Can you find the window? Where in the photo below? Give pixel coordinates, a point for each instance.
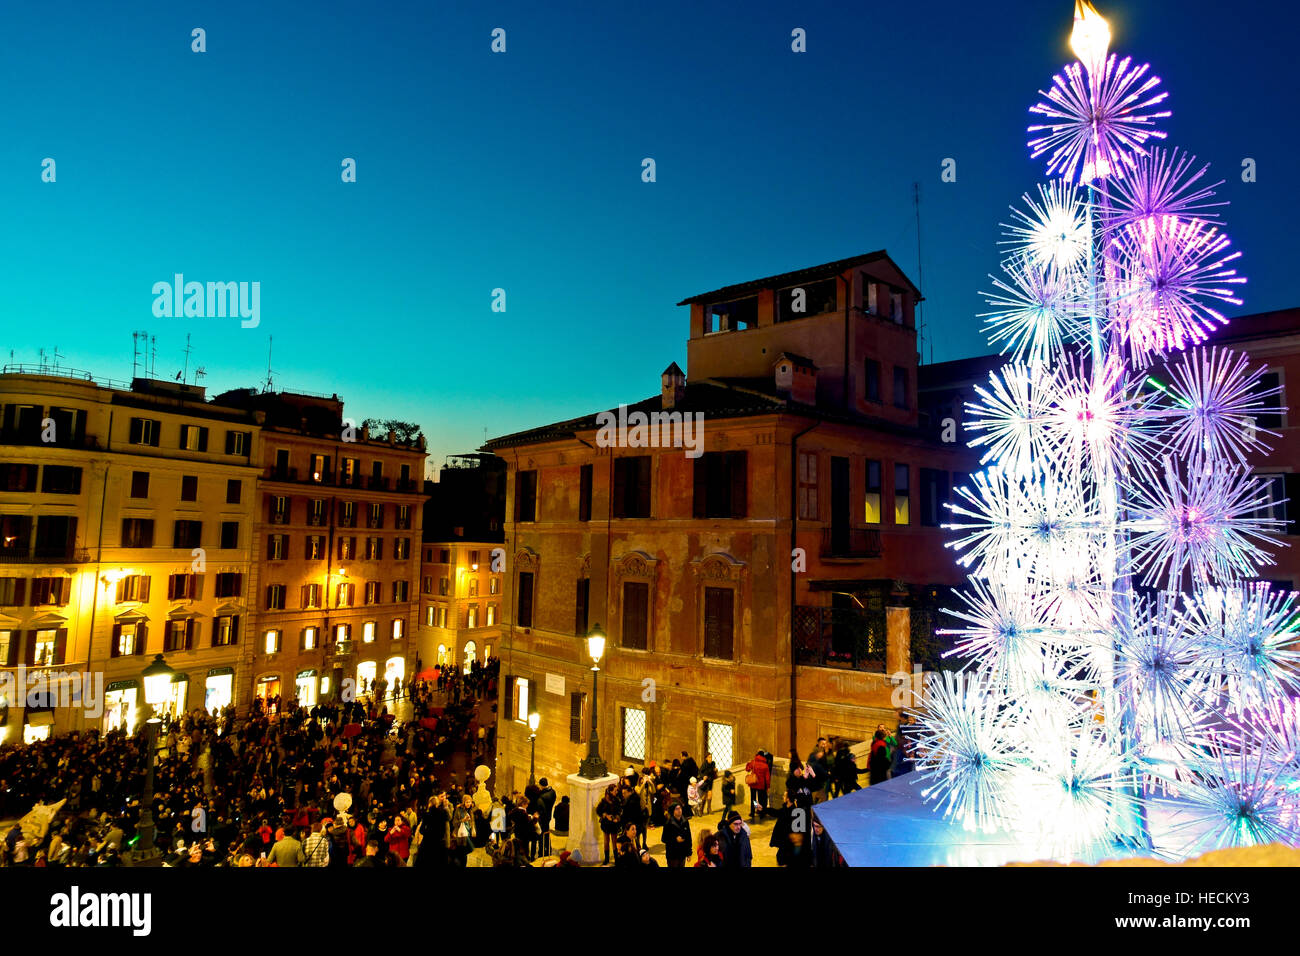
(133, 587)
(399, 628)
(426, 584)
(350, 469)
(375, 552)
(584, 493)
(471, 616)
(871, 511)
(179, 635)
(189, 488)
(15, 534)
(896, 307)
(871, 380)
(523, 698)
(401, 591)
(718, 622)
(139, 484)
(55, 535)
(50, 591)
(308, 638)
(444, 556)
(900, 387)
(345, 594)
(720, 740)
(731, 316)
(444, 584)
(128, 639)
(229, 535)
(1271, 493)
(13, 593)
(636, 614)
(491, 615)
(316, 511)
(473, 560)
(137, 532)
(473, 587)
(580, 622)
(372, 595)
(634, 732)
(15, 477)
(631, 495)
(182, 587)
(348, 514)
(225, 630)
(494, 585)
(320, 468)
(58, 480)
(278, 506)
(275, 596)
(902, 495)
(1268, 393)
(276, 546)
(49, 646)
(315, 547)
(145, 431)
(401, 549)
(194, 438)
(230, 584)
(808, 485)
(402, 520)
(811, 298)
(526, 496)
(429, 615)
(234, 489)
(342, 632)
(187, 534)
(721, 484)
(869, 296)
(577, 699)
(311, 595)
(375, 516)
(934, 492)
(442, 617)
(524, 612)
(368, 632)
(271, 642)
(238, 443)
(347, 548)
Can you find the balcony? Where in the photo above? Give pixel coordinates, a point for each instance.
(377, 483)
(281, 474)
(342, 650)
(407, 485)
(851, 543)
(846, 638)
(41, 555)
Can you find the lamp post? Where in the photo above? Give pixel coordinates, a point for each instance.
(533, 720)
(594, 767)
(157, 688)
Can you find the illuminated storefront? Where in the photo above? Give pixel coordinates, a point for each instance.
(394, 669)
(218, 691)
(305, 687)
(367, 671)
(471, 651)
(268, 691)
(120, 699)
(176, 703)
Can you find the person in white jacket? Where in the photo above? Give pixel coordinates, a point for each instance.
(497, 820)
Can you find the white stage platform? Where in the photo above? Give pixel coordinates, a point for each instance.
(890, 825)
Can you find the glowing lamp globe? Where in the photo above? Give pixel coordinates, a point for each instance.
(533, 720)
(596, 644)
(157, 682)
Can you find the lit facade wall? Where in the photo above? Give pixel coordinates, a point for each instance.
(461, 600)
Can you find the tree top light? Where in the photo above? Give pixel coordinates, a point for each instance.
(1090, 39)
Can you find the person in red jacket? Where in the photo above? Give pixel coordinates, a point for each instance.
(399, 838)
(758, 775)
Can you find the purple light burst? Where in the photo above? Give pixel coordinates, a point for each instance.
(1163, 183)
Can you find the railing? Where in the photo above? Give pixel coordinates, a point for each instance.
(35, 555)
(377, 483)
(851, 543)
(15, 436)
(839, 637)
(60, 371)
(406, 485)
(282, 474)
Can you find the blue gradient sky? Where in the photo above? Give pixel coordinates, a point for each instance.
(522, 171)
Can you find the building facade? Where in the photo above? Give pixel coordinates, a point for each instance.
(461, 598)
(759, 570)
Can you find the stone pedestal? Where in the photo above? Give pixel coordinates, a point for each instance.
(898, 640)
(585, 839)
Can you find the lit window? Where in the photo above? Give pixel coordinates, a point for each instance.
(398, 626)
(902, 495)
(309, 639)
(368, 632)
(872, 496)
(521, 696)
(634, 732)
(272, 644)
(720, 740)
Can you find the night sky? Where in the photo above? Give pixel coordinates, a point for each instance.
(522, 171)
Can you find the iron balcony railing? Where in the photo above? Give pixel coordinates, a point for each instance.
(41, 554)
(840, 637)
(851, 543)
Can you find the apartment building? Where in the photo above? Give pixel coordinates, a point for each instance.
(756, 590)
(337, 522)
(125, 532)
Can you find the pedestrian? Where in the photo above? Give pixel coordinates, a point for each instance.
(317, 847)
(708, 774)
(878, 761)
(546, 811)
(734, 836)
(608, 811)
(728, 793)
(677, 838)
(758, 774)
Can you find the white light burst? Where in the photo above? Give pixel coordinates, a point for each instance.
(1052, 230)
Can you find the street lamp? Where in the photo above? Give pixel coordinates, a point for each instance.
(157, 690)
(594, 767)
(533, 720)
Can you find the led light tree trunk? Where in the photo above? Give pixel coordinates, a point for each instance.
(1122, 646)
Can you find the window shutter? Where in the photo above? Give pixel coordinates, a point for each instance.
(141, 637)
(532, 696)
(171, 587)
(137, 428)
(737, 465)
(144, 588)
(60, 645)
(239, 585)
(618, 502)
(65, 591)
(514, 697)
(580, 617)
(216, 629)
(644, 465)
(203, 439)
(15, 639)
(575, 717)
(701, 487)
(121, 589)
(20, 593)
(189, 633)
(234, 629)
(29, 651)
(114, 648)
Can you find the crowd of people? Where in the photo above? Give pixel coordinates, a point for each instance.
(337, 784)
(345, 784)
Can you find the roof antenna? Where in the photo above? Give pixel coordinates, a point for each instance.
(185, 374)
(920, 277)
(268, 387)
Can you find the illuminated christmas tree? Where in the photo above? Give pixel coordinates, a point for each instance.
(1122, 647)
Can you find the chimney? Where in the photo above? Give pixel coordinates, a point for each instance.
(796, 378)
(672, 388)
